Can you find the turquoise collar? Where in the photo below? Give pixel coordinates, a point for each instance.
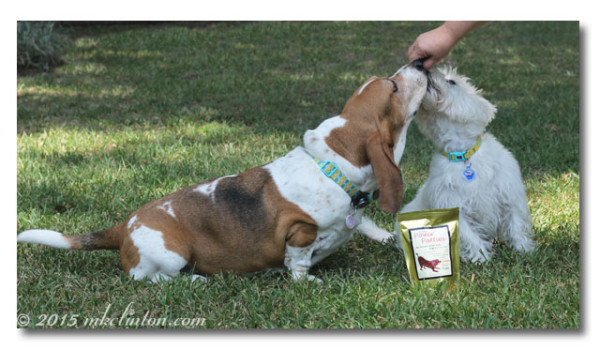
(358, 198)
(462, 156)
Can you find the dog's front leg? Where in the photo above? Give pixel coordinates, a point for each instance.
(298, 260)
(370, 229)
(473, 248)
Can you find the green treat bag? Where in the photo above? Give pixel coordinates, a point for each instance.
(431, 244)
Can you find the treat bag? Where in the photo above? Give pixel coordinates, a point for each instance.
(431, 244)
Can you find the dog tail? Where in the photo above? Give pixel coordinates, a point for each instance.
(105, 239)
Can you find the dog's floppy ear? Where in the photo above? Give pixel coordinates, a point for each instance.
(489, 110)
(380, 151)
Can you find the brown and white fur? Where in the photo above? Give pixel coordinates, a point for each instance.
(285, 213)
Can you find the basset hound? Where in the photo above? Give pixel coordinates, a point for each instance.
(292, 212)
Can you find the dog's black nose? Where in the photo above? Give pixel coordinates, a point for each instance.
(418, 64)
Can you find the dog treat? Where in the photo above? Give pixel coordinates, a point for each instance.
(430, 240)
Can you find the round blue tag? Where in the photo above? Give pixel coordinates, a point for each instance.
(469, 173)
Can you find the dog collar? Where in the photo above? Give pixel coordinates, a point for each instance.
(462, 156)
(358, 198)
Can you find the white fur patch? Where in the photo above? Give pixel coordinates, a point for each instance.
(370, 229)
(132, 222)
(47, 237)
(301, 182)
(325, 128)
(314, 142)
(208, 188)
(168, 208)
(156, 261)
(400, 70)
(298, 260)
(401, 143)
(365, 85)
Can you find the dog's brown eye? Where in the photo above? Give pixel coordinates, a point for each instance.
(451, 82)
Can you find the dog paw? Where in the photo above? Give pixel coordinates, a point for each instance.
(306, 277)
(314, 279)
(527, 246)
(370, 229)
(476, 258)
(199, 278)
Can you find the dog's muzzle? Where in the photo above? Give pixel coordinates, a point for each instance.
(418, 65)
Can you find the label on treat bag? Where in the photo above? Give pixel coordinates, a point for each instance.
(431, 249)
(431, 245)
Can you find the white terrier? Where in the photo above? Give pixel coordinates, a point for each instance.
(472, 170)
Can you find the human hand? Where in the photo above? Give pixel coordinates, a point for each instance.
(432, 46)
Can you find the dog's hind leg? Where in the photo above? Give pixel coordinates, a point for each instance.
(518, 231)
(298, 260)
(144, 255)
(193, 273)
(299, 250)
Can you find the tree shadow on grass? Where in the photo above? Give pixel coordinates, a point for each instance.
(286, 77)
(261, 75)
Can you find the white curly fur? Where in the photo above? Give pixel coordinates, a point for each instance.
(453, 114)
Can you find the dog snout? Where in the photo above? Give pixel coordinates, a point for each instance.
(418, 65)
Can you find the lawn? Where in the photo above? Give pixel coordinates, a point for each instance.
(139, 111)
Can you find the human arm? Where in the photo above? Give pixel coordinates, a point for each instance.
(434, 45)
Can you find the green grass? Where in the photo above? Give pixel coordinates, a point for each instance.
(139, 111)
